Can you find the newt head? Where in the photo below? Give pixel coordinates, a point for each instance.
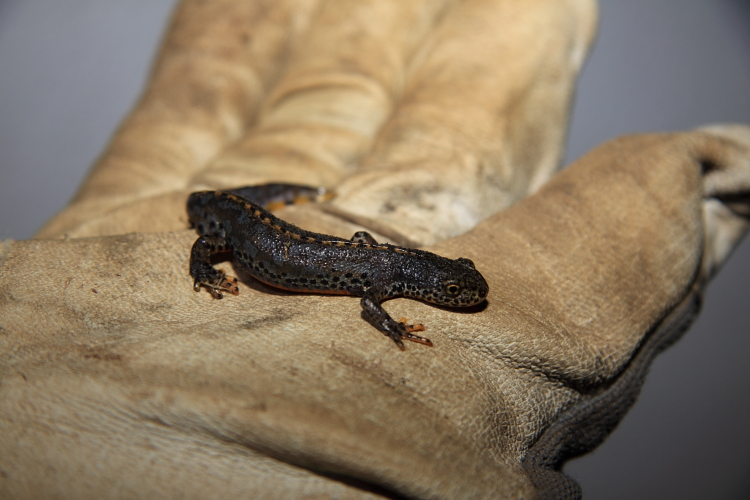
(448, 282)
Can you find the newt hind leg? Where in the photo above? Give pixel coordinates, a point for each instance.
(205, 274)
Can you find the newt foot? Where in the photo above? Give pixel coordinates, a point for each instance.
(217, 283)
(408, 333)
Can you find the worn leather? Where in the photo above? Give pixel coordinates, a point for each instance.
(119, 381)
(462, 103)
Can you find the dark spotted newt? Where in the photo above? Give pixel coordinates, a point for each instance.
(284, 256)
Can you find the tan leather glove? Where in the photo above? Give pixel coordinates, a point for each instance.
(427, 117)
(464, 103)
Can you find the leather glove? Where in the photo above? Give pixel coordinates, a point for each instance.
(119, 380)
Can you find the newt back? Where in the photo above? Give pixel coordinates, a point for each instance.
(285, 256)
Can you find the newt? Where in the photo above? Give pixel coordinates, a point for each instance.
(285, 256)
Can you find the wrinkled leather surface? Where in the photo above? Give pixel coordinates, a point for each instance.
(429, 118)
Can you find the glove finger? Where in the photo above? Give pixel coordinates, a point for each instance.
(482, 119)
(340, 85)
(217, 61)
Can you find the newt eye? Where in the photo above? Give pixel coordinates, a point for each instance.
(452, 289)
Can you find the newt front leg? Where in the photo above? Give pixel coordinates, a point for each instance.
(205, 274)
(374, 314)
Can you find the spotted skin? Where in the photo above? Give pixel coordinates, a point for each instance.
(285, 256)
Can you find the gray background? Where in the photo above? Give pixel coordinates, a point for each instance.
(70, 69)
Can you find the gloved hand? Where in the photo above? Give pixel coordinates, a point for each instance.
(120, 381)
